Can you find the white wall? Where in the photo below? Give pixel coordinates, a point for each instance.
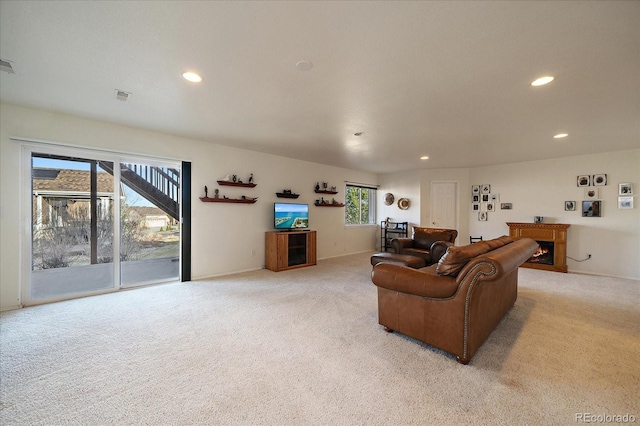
(224, 235)
(540, 188)
(401, 185)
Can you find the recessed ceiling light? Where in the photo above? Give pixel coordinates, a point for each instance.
(192, 77)
(304, 65)
(561, 135)
(542, 80)
(424, 157)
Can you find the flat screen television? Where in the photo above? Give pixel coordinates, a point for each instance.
(290, 216)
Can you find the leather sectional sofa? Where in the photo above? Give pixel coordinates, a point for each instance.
(426, 243)
(455, 304)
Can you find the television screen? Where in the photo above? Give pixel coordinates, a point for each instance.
(290, 216)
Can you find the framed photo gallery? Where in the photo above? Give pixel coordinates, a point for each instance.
(483, 201)
(592, 203)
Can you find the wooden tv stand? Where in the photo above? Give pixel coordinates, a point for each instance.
(289, 249)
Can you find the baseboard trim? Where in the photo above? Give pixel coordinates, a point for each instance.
(10, 308)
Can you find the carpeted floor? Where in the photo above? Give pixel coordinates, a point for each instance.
(304, 347)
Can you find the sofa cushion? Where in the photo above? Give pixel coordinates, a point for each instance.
(423, 239)
(457, 257)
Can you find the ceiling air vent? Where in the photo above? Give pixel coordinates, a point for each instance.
(122, 95)
(6, 66)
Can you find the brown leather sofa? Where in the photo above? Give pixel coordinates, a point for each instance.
(427, 243)
(455, 304)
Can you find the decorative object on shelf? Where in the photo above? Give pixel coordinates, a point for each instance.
(599, 180)
(325, 189)
(625, 189)
(206, 191)
(388, 199)
(486, 189)
(584, 180)
(570, 206)
(482, 216)
(625, 202)
(251, 178)
(216, 193)
(227, 183)
(591, 193)
(234, 178)
(323, 203)
(506, 206)
(591, 208)
(403, 203)
(286, 193)
(227, 178)
(538, 219)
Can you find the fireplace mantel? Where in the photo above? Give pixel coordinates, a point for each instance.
(552, 232)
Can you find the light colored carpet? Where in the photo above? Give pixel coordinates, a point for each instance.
(304, 347)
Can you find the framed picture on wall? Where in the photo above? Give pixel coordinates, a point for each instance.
(625, 202)
(569, 206)
(482, 216)
(625, 189)
(591, 208)
(584, 180)
(476, 207)
(475, 189)
(475, 198)
(600, 180)
(591, 193)
(494, 198)
(485, 198)
(486, 189)
(506, 206)
(490, 207)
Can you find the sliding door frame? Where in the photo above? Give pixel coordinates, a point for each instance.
(26, 209)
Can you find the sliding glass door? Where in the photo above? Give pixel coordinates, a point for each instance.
(149, 225)
(73, 227)
(100, 223)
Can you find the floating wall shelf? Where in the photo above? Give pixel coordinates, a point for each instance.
(228, 183)
(329, 205)
(286, 195)
(228, 200)
(320, 191)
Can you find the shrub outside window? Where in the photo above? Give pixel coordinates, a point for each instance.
(360, 206)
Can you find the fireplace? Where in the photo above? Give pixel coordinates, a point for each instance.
(544, 254)
(552, 244)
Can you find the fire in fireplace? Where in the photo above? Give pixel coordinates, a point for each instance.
(544, 254)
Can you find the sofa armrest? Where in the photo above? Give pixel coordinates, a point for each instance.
(400, 244)
(420, 282)
(438, 249)
(496, 263)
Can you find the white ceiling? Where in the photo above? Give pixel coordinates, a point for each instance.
(445, 79)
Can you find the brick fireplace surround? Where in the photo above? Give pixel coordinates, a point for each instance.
(550, 232)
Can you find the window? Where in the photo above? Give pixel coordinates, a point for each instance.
(360, 205)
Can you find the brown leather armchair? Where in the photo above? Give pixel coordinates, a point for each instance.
(429, 244)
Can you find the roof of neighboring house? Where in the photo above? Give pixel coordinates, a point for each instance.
(145, 211)
(68, 180)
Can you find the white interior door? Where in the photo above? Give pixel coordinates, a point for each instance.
(444, 205)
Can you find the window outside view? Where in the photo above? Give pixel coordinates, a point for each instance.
(360, 205)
